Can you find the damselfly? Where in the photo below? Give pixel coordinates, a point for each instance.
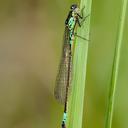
(64, 75)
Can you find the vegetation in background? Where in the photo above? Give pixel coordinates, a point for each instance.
(115, 68)
(30, 44)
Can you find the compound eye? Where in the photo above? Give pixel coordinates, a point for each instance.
(74, 6)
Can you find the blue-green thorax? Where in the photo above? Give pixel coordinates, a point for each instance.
(71, 27)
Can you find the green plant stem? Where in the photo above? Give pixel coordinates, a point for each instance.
(76, 103)
(115, 68)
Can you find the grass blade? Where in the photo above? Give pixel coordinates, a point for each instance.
(115, 68)
(75, 112)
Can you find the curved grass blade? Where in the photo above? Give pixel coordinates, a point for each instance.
(115, 68)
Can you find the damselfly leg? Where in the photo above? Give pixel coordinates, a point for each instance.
(80, 23)
(75, 34)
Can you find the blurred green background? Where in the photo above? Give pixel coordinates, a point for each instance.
(31, 34)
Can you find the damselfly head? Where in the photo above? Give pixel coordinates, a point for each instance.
(73, 6)
(75, 9)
